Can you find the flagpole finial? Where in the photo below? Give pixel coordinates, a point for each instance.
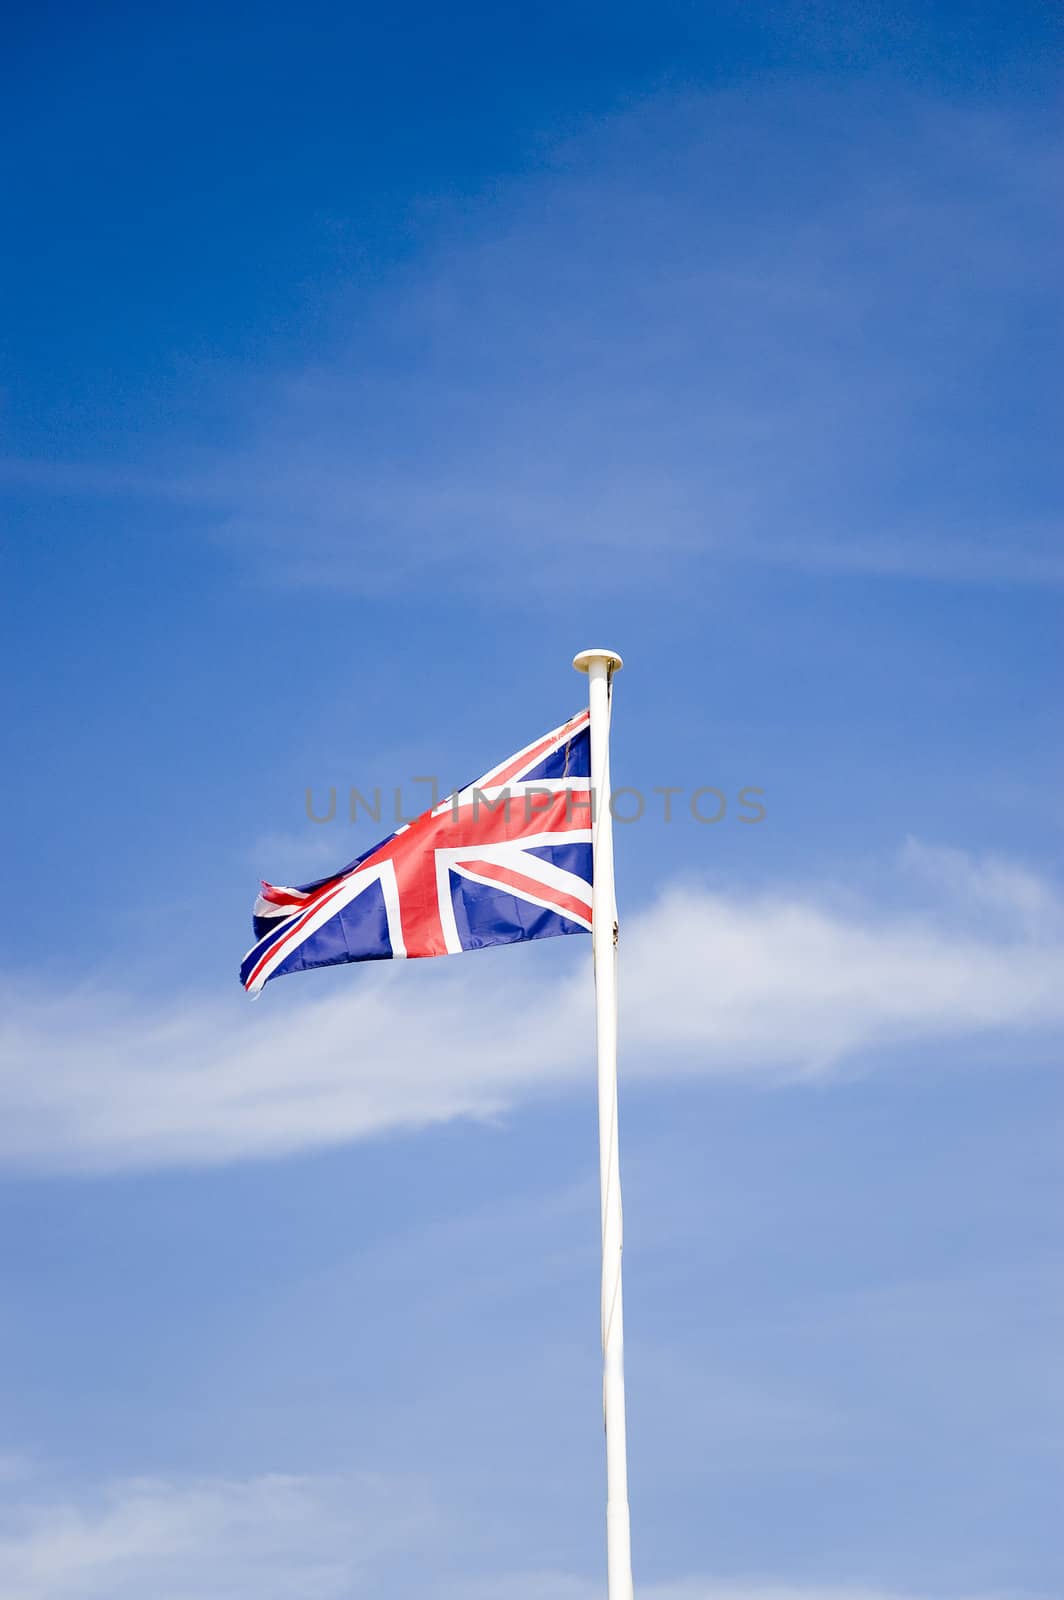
(583, 661)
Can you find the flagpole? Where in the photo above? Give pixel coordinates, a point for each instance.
(600, 665)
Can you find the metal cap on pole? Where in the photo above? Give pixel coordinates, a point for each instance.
(583, 659)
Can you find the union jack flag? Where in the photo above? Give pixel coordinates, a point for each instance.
(504, 859)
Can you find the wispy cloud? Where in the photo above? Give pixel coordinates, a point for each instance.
(774, 986)
(560, 1586)
(303, 854)
(275, 1537)
(1009, 893)
(287, 1537)
(661, 347)
(723, 1589)
(666, 342)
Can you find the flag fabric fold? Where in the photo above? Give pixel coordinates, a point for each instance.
(505, 859)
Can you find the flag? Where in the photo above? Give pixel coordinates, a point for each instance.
(505, 859)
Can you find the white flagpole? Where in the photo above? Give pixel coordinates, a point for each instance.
(600, 665)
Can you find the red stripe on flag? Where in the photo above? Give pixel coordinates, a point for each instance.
(566, 903)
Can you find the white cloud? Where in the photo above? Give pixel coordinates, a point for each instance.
(797, 983)
(722, 1589)
(285, 1537)
(771, 986)
(1010, 893)
(275, 1537)
(561, 1586)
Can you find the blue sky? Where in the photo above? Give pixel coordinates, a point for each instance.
(357, 369)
